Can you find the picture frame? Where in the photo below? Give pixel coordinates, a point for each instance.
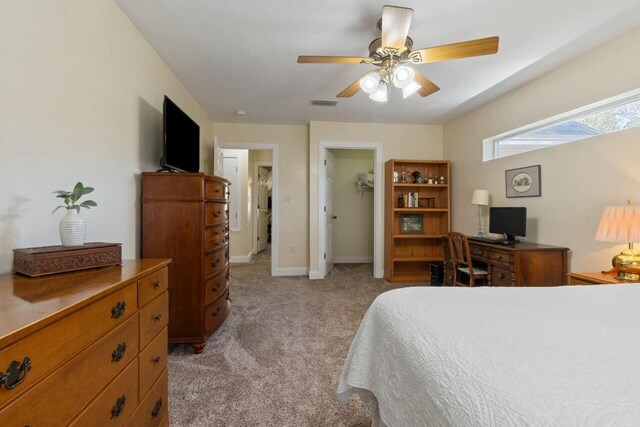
(523, 182)
(411, 224)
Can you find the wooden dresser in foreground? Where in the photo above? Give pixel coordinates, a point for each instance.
(599, 278)
(86, 348)
(185, 217)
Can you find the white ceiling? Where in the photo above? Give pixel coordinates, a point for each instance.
(241, 54)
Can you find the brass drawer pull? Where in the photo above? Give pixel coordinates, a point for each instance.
(218, 190)
(16, 373)
(157, 284)
(157, 317)
(500, 275)
(118, 407)
(118, 310)
(215, 288)
(157, 360)
(118, 353)
(499, 257)
(215, 263)
(156, 408)
(216, 214)
(216, 313)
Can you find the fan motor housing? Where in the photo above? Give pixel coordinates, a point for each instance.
(377, 52)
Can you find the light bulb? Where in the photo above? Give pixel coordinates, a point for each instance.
(369, 83)
(381, 93)
(410, 89)
(403, 76)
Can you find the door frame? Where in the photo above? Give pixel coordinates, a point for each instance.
(378, 230)
(254, 196)
(275, 188)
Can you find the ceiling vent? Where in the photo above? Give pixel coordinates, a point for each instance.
(324, 103)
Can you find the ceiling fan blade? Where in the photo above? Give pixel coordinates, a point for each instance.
(427, 86)
(395, 26)
(309, 59)
(486, 46)
(352, 89)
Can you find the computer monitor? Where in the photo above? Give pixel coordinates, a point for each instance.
(511, 222)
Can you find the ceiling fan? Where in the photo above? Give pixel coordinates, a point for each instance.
(393, 53)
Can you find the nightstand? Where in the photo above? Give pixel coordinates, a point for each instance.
(595, 279)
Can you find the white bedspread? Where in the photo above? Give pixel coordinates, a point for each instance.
(489, 356)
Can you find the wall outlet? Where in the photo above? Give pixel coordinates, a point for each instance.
(292, 249)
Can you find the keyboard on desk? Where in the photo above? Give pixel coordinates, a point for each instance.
(498, 241)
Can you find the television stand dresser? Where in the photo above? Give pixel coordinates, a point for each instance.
(519, 264)
(85, 348)
(185, 217)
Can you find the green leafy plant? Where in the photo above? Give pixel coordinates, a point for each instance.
(71, 198)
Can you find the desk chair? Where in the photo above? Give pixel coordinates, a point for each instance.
(462, 262)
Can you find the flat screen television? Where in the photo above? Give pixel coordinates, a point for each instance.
(181, 140)
(511, 222)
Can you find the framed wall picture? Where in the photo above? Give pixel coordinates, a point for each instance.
(523, 182)
(411, 224)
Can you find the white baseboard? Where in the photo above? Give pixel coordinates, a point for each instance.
(315, 275)
(353, 260)
(242, 259)
(291, 271)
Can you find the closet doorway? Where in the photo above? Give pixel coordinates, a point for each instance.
(350, 202)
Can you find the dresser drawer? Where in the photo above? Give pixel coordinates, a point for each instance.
(53, 345)
(215, 213)
(216, 286)
(154, 318)
(151, 286)
(215, 238)
(216, 312)
(502, 277)
(501, 257)
(68, 390)
(215, 191)
(153, 360)
(215, 261)
(115, 404)
(153, 409)
(479, 252)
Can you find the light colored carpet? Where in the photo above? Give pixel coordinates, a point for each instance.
(277, 359)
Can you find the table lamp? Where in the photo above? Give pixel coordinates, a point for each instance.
(621, 224)
(480, 198)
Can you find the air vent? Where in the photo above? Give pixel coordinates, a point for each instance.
(324, 103)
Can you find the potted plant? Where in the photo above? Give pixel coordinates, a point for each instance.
(73, 229)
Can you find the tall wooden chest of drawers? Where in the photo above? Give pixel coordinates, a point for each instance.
(185, 217)
(85, 348)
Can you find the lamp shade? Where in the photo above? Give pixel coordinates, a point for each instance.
(619, 224)
(480, 197)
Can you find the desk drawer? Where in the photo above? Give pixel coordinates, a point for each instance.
(215, 213)
(501, 257)
(479, 252)
(53, 345)
(153, 360)
(502, 277)
(63, 394)
(113, 406)
(153, 409)
(153, 319)
(151, 286)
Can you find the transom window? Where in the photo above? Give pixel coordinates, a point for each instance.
(611, 115)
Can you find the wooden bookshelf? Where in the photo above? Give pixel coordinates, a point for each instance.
(408, 254)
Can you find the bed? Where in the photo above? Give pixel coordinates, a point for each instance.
(491, 356)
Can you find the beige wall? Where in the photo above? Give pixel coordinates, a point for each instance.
(353, 229)
(80, 100)
(578, 178)
(293, 205)
(398, 142)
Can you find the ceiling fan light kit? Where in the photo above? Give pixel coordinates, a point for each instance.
(393, 51)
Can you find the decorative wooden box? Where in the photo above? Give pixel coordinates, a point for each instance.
(59, 259)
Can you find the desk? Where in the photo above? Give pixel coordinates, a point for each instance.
(520, 264)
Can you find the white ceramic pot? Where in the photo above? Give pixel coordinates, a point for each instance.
(73, 229)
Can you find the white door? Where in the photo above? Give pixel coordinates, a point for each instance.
(330, 214)
(230, 167)
(262, 211)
